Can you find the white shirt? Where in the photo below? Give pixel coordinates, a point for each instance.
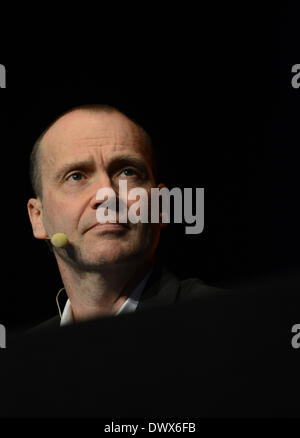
(127, 307)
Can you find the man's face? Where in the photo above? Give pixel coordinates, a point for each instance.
(81, 153)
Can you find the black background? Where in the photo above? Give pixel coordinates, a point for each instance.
(214, 91)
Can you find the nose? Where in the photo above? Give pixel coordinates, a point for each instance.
(103, 182)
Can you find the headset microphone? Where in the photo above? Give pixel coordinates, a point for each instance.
(59, 240)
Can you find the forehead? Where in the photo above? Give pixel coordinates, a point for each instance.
(80, 132)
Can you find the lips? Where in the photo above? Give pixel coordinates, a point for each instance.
(108, 227)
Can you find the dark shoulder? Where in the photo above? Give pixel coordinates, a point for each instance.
(164, 287)
(48, 325)
(191, 288)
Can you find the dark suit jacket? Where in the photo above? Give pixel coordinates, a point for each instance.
(225, 354)
(163, 288)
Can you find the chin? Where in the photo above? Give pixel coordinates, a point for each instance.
(109, 254)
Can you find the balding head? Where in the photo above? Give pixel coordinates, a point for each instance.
(84, 150)
(80, 121)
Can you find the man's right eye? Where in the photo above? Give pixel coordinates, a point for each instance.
(76, 176)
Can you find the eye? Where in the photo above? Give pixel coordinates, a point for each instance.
(128, 172)
(76, 176)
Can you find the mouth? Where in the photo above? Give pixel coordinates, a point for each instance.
(108, 227)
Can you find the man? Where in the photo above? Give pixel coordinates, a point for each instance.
(106, 269)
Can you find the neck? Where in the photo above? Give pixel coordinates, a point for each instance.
(95, 294)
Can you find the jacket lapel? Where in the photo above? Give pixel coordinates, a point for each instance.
(161, 289)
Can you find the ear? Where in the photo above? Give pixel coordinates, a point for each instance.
(163, 225)
(35, 209)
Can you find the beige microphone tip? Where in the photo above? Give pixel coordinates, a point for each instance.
(59, 240)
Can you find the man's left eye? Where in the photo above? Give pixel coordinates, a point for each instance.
(128, 172)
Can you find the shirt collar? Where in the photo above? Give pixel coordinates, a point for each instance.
(128, 306)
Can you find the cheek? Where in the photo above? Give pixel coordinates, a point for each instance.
(145, 201)
(58, 215)
(146, 234)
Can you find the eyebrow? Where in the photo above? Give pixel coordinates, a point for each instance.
(128, 160)
(83, 165)
(115, 163)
